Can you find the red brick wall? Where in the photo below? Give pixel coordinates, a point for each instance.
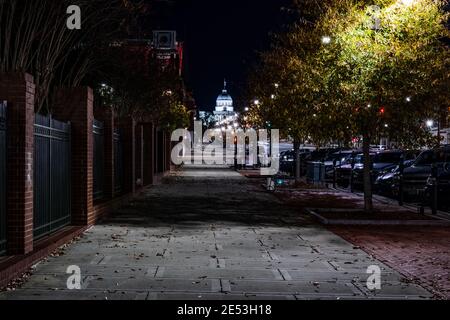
(18, 90)
(106, 115)
(76, 105)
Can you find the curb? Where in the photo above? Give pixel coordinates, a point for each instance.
(368, 222)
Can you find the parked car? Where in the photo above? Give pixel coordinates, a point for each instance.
(382, 162)
(415, 177)
(287, 158)
(443, 187)
(344, 170)
(287, 161)
(336, 159)
(385, 181)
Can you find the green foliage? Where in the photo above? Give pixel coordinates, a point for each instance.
(388, 58)
(175, 116)
(355, 68)
(400, 67)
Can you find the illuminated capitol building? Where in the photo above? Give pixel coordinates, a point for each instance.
(224, 112)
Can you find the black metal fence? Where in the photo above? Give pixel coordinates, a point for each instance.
(2, 177)
(52, 172)
(118, 162)
(98, 160)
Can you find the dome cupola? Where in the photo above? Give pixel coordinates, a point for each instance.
(224, 101)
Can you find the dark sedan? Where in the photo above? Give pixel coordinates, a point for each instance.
(415, 177)
(443, 187)
(385, 181)
(382, 162)
(344, 169)
(336, 159)
(287, 161)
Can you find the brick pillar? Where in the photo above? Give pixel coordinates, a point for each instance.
(76, 105)
(128, 126)
(149, 153)
(139, 136)
(106, 115)
(18, 90)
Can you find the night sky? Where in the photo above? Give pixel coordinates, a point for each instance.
(221, 39)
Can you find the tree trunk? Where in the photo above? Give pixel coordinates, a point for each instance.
(368, 203)
(297, 160)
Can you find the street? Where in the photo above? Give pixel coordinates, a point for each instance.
(209, 233)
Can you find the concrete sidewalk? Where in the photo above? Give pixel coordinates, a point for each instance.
(207, 233)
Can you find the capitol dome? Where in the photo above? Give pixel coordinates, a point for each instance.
(224, 101)
(224, 107)
(224, 96)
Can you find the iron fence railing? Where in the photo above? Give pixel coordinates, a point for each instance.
(98, 166)
(2, 177)
(52, 175)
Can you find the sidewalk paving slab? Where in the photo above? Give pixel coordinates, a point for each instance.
(207, 233)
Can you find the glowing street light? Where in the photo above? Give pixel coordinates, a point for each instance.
(408, 99)
(246, 108)
(256, 102)
(430, 123)
(326, 40)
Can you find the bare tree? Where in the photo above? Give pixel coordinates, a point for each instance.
(34, 38)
